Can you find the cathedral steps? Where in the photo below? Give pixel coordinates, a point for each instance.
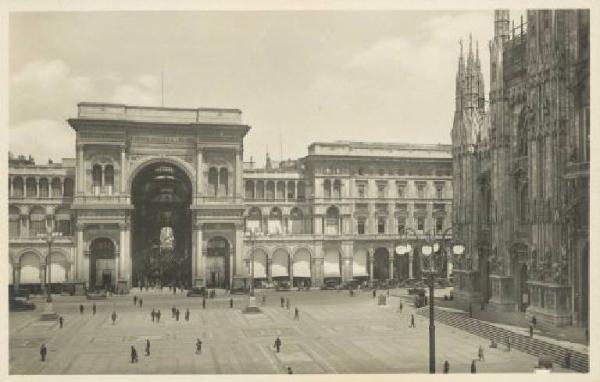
(533, 346)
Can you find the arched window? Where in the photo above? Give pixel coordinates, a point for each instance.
(55, 185)
(270, 195)
(96, 179)
(68, 187)
(14, 222)
(18, 191)
(213, 181)
(337, 189)
(291, 190)
(281, 190)
(275, 222)
(31, 187)
(301, 191)
(327, 189)
(249, 189)
(37, 221)
(62, 217)
(44, 188)
(332, 221)
(254, 220)
(260, 189)
(223, 182)
(297, 221)
(109, 179)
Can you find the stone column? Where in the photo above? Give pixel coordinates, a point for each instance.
(410, 266)
(62, 187)
(371, 262)
(197, 259)
(11, 192)
(122, 244)
(123, 189)
(239, 189)
(239, 249)
(199, 172)
(16, 276)
(80, 171)
(291, 269)
(24, 221)
(391, 259)
(79, 275)
(231, 264)
(268, 270)
(102, 179)
(126, 264)
(43, 265)
(118, 268)
(37, 186)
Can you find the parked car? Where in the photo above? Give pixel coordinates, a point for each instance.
(96, 295)
(197, 292)
(283, 285)
(19, 304)
(330, 285)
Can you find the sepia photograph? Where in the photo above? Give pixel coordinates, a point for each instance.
(298, 191)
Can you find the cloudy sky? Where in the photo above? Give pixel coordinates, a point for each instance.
(302, 76)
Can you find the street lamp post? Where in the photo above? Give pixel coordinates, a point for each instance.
(49, 313)
(252, 307)
(428, 250)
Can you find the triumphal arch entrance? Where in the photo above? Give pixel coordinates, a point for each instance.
(158, 195)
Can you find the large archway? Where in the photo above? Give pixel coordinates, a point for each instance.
(161, 226)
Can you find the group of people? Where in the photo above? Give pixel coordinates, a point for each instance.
(285, 302)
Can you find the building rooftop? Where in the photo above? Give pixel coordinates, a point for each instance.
(381, 149)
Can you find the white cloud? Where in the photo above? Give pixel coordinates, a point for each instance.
(42, 138)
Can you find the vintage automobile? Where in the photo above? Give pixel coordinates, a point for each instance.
(283, 286)
(197, 292)
(19, 304)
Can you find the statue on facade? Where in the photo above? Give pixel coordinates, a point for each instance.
(560, 267)
(167, 239)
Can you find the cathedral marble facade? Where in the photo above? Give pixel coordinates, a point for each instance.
(335, 214)
(521, 169)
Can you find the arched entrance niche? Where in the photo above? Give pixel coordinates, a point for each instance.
(161, 225)
(301, 267)
(360, 265)
(260, 266)
(102, 264)
(332, 265)
(280, 265)
(381, 264)
(217, 262)
(519, 256)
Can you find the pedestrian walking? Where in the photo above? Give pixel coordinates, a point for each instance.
(296, 314)
(113, 316)
(531, 331)
(374, 293)
(230, 302)
(147, 347)
(198, 346)
(473, 367)
(134, 300)
(446, 367)
(400, 307)
(187, 314)
(158, 316)
(81, 309)
(480, 353)
(289, 369)
(153, 314)
(412, 321)
(533, 320)
(282, 301)
(177, 314)
(277, 344)
(60, 322)
(141, 302)
(94, 308)
(43, 352)
(134, 356)
(173, 312)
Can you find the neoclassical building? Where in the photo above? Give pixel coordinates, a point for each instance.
(164, 193)
(521, 168)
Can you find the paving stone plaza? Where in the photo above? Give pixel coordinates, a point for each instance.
(336, 333)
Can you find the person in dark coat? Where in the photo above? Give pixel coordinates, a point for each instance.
(134, 300)
(60, 322)
(534, 320)
(400, 307)
(277, 344)
(282, 301)
(296, 314)
(152, 314)
(43, 352)
(198, 346)
(113, 316)
(412, 321)
(158, 316)
(187, 314)
(203, 302)
(147, 347)
(446, 367)
(473, 367)
(231, 302)
(480, 353)
(289, 370)
(173, 312)
(81, 309)
(374, 293)
(177, 314)
(134, 356)
(141, 302)
(94, 308)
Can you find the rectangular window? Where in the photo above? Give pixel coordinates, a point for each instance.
(37, 227)
(420, 224)
(439, 191)
(381, 191)
(381, 225)
(64, 227)
(401, 225)
(14, 228)
(421, 190)
(439, 225)
(361, 191)
(361, 227)
(401, 191)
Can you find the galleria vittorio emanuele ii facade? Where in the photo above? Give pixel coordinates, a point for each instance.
(164, 195)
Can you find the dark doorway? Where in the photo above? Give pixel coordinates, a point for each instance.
(217, 263)
(161, 229)
(381, 266)
(102, 260)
